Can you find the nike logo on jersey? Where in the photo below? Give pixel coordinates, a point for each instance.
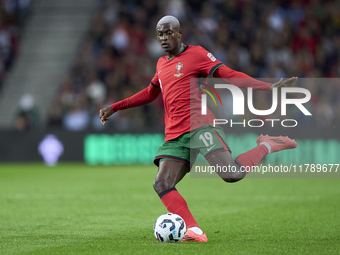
(208, 149)
(159, 72)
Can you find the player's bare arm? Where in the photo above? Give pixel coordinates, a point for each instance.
(284, 83)
(104, 114)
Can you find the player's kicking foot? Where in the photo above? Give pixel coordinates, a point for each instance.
(191, 236)
(276, 143)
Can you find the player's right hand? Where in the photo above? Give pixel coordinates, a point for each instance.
(284, 83)
(104, 114)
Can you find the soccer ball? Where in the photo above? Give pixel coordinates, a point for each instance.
(169, 228)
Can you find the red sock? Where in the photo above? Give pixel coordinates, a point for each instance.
(175, 203)
(252, 157)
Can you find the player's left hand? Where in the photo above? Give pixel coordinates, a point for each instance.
(104, 114)
(281, 83)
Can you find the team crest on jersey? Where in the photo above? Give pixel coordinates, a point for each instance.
(179, 66)
(211, 56)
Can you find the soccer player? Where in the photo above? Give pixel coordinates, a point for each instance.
(175, 157)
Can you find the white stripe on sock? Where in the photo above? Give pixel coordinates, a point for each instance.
(267, 145)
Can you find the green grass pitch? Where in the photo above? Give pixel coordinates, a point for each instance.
(81, 209)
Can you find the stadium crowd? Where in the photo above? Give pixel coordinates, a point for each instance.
(13, 13)
(265, 39)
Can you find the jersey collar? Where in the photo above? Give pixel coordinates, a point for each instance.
(185, 48)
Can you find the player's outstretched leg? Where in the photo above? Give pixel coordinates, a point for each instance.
(272, 144)
(245, 161)
(169, 174)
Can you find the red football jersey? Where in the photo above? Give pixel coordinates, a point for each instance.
(182, 98)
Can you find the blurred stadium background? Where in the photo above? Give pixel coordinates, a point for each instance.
(63, 60)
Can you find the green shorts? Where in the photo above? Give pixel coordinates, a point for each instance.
(206, 140)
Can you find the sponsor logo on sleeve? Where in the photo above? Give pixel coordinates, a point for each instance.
(211, 56)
